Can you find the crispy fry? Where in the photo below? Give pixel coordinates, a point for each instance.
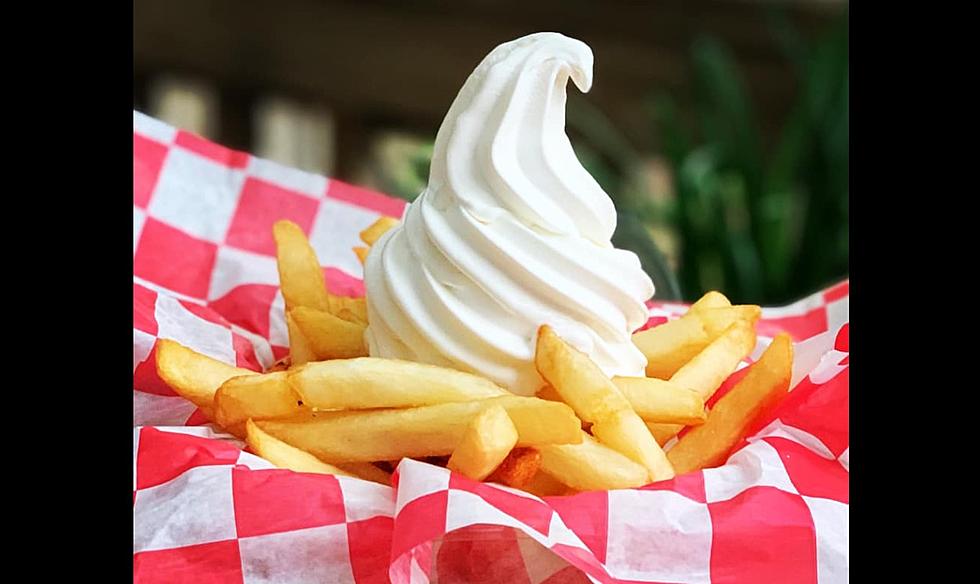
(595, 398)
(626, 433)
(487, 440)
(670, 345)
(708, 370)
(329, 336)
(657, 400)
(590, 466)
(370, 382)
(662, 433)
(364, 436)
(349, 316)
(518, 468)
(367, 471)
(300, 351)
(361, 253)
(543, 484)
(355, 306)
(285, 456)
(193, 376)
(548, 392)
(281, 365)
(717, 320)
(300, 276)
(711, 299)
(255, 396)
(579, 381)
(764, 386)
(377, 229)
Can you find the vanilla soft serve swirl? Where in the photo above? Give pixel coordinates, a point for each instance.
(510, 233)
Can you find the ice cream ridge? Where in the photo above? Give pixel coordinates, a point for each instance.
(510, 233)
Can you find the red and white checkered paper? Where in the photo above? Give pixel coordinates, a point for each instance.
(206, 511)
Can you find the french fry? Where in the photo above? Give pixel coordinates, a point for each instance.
(543, 484)
(579, 381)
(255, 396)
(367, 471)
(662, 433)
(657, 400)
(654, 400)
(300, 276)
(711, 299)
(354, 306)
(191, 375)
(365, 436)
(595, 398)
(329, 336)
(670, 345)
(590, 466)
(377, 229)
(285, 456)
(708, 369)
(487, 440)
(349, 316)
(518, 468)
(764, 386)
(370, 382)
(300, 351)
(361, 253)
(281, 365)
(717, 320)
(626, 433)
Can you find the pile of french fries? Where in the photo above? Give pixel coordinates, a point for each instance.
(330, 408)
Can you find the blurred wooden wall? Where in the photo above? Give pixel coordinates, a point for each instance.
(390, 64)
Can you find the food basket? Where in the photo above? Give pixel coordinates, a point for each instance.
(205, 510)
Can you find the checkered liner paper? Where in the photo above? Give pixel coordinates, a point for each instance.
(206, 511)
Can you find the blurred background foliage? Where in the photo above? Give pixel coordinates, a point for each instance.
(720, 129)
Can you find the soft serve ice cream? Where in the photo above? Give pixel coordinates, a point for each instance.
(510, 233)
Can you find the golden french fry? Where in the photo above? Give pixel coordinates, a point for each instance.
(662, 433)
(626, 433)
(193, 376)
(300, 276)
(764, 386)
(349, 316)
(329, 336)
(364, 436)
(670, 345)
(543, 484)
(658, 400)
(717, 320)
(367, 471)
(711, 367)
(712, 299)
(579, 381)
(361, 253)
(518, 468)
(548, 392)
(377, 229)
(285, 456)
(280, 365)
(595, 398)
(300, 351)
(370, 382)
(487, 440)
(590, 466)
(354, 306)
(255, 396)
